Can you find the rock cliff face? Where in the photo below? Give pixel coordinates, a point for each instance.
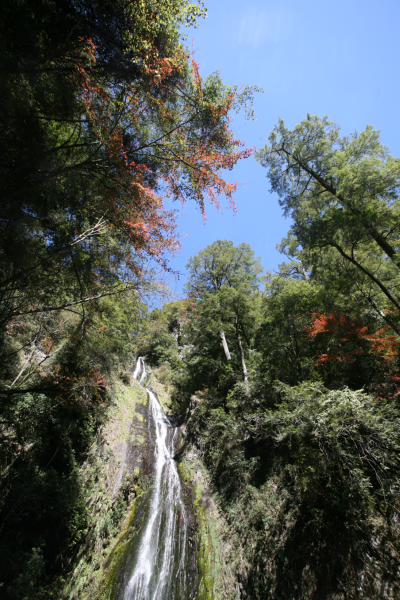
(217, 551)
(114, 475)
(119, 477)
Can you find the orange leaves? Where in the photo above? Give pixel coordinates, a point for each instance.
(159, 136)
(197, 79)
(333, 323)
(318, 325)
(349, 338)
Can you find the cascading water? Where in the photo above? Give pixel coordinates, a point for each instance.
(144, 374)
(161, 558)
(138, 368)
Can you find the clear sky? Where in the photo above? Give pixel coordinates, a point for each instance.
(339, 59)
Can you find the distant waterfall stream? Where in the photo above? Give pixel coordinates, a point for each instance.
(159, 569)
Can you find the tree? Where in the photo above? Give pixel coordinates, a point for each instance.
(286, 351)
(223, 277)
(342, 194)
(348, 351)
(103, 115)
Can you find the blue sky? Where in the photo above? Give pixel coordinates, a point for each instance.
(339, 59)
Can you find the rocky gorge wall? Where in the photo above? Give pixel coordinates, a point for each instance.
(118, 480)
(114, 480)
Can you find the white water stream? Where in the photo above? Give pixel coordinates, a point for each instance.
(161, 560)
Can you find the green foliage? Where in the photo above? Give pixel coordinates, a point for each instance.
(287, 352)
(112, 323)
(310, 487)
(42, 509)
(305, 469)
(222, 264)
(342, 438)
(342, 194)
(45, 437)
(223, 279)
(160, 335)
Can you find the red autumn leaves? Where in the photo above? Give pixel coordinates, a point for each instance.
(343, 340)
(162, 137)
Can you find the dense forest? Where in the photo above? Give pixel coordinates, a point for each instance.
(290, 381)
(287, 382)
(103, 114)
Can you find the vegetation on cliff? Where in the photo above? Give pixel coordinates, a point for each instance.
(103, 113)
(291, 379)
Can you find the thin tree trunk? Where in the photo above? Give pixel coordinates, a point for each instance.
(378, 310)
(374, 233)
(384, 289)
(224, 344)
(245, 374)
(245, 333)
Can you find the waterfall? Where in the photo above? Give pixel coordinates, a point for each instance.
(138, 368)
(160, 566)
(144, 374)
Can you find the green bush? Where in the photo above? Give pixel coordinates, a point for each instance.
(310, 487)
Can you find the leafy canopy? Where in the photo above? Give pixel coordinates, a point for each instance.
(342, 194)
(223, 264)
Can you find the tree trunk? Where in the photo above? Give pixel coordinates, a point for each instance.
(224, 344)
(384, 289)
(245, 333)
(245, 375)
(374, 233)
